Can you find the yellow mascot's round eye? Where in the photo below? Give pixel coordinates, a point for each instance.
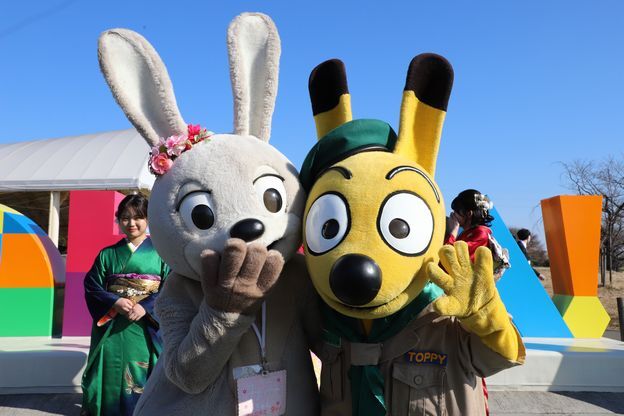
(406, 223)
(327, 223)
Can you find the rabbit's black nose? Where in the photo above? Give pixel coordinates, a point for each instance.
(247, 230)
(355, 279)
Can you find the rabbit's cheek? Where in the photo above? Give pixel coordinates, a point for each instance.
(277, 226)
(192, 257)
(290, 239)
(194, 248)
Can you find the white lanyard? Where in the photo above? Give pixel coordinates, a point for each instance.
(262, 335)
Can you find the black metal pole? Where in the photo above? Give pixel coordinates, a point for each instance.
(620, 308)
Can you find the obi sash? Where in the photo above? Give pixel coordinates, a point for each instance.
(133, 286)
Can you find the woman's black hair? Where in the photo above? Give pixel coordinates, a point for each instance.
(133, 204)
(475, 201)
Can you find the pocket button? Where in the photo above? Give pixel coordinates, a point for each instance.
(418, 380)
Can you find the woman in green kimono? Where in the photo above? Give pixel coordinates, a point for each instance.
(120, 290)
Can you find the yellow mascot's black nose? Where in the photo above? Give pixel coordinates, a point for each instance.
(355, 279)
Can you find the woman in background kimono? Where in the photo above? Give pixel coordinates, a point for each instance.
(120, 290)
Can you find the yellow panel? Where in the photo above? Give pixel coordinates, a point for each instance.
(584, 315)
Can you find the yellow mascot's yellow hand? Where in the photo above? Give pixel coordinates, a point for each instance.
(471, 296)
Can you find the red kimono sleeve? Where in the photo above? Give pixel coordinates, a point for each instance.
(475, 237)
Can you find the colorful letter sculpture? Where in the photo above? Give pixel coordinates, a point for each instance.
(572, 225)
(30, 263)
(524, 296)
(92, 227)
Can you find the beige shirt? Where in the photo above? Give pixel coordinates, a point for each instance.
(432, 367)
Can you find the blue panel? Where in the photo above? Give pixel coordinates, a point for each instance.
(36, 229)
(20, 224)
(534, 313)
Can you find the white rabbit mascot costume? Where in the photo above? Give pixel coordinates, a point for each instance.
(237, 313)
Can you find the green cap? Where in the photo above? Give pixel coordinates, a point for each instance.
(345, 140)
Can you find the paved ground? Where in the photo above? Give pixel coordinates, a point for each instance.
(40, 404)
(556, 403)
(501, 403)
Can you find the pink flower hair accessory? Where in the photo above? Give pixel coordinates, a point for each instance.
(170, 148)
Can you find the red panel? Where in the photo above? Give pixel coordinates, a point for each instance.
(92, 227)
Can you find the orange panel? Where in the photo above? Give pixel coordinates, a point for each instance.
(572, 225)
(582, 220)
(556, 246)
(24, 262)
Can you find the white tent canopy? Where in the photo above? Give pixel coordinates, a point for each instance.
(114, 160)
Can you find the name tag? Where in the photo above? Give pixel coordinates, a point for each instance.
(262, 394)
(426, 357)
(246, 371)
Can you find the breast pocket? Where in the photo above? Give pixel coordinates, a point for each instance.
(331, 373)
(417, 390)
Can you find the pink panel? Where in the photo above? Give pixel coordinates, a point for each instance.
(76, 318)
(92, 227)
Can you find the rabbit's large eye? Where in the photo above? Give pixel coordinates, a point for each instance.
(406, 223)
(270, 189)
(196, 210)
(327, 223)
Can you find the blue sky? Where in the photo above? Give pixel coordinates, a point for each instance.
(536, 83)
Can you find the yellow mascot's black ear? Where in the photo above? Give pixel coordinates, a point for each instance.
(425, 98)
(329, 93)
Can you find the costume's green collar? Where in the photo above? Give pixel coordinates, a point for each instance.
(348, 139)
(367, 383)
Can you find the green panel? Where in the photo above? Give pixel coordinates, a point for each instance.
(562, 302)
(26, 312)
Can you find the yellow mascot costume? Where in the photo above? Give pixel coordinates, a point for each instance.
(402, 336)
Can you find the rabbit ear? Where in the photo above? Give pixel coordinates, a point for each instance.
(254, 50)
(140, 83)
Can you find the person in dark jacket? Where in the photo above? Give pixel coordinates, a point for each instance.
(524, 237)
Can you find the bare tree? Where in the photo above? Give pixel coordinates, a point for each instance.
(605, 178)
